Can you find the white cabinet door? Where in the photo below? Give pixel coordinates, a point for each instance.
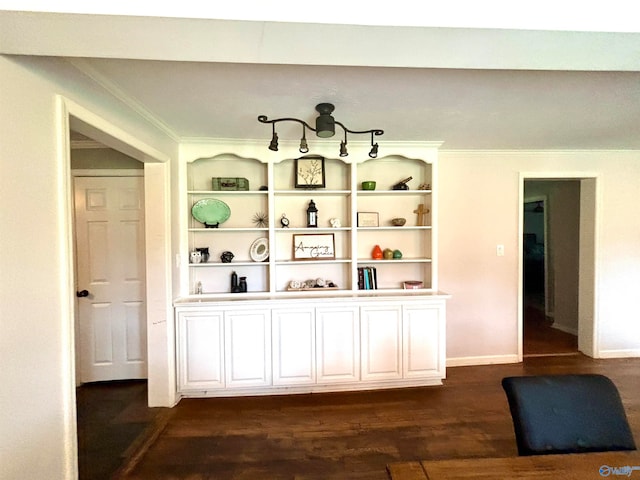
(200, 352)
(423, 341)
(338, 344)
(381, 331)
(248, 348)
(294, 350)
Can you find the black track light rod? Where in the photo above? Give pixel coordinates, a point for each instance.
(325, 127)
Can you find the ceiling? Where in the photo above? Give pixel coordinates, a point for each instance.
(468, 88)
(464, 108)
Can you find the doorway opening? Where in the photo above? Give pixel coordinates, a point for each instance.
(109, 259)
(557, 265)
(73, 117)
(110, 324)
(535, 255)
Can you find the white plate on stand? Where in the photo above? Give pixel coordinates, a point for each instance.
(259, 250)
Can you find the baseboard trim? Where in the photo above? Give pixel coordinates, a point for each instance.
(565, 328)
(481, 360)
(631, 353)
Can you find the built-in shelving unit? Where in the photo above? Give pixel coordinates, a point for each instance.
(272, 192)
(278, 339)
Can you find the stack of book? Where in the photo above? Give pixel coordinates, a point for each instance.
(367, 278)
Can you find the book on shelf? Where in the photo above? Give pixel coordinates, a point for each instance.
(367, 278)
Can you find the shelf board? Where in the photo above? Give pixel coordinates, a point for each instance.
(311, 262)
(209, 296)
(404, 227)
(230, 229)
(310, 230)
(386, 291)
(312, 192)
(396, 260)
(311, 289)
(318, 292)
(248, 263)
(394, 192)
(227, 192)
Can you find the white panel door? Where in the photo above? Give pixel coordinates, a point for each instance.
(338, 344)
(247, 348)
(294, 351)
(381, 328)
(423, 333)
(109, 224)
(200, 350)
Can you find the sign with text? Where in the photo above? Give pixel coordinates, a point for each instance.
(314, 246)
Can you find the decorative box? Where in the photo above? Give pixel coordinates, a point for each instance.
(230, 183)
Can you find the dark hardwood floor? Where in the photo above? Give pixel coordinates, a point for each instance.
(113, 418)
(324, 436)
(355, 435)
(541, 338)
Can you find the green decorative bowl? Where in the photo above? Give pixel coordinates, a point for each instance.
(369, 185)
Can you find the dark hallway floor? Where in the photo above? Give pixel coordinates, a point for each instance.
(112, 418)
(540, 338)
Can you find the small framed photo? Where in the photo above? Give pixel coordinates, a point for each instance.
(309, 172)
(368, 219)
(311, 246)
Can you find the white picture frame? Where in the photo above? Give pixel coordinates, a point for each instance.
(313, 246)
(368, 219)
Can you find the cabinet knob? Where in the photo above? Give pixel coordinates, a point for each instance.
(82, 293)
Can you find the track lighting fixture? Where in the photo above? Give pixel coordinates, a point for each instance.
(325, 128)
(343, 146)
(274, 140)
(304, 148)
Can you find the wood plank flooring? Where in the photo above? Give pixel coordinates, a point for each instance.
(540, 338)
(341, 436)
(112, 418)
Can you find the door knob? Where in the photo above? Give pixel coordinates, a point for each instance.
(82, 293)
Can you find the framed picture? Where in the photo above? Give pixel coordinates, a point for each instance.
(368, 219)
(310, 172)
(314, 246)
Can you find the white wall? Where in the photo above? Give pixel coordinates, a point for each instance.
(478, 210)
(37, 421)
(479, 204)
(102, 158)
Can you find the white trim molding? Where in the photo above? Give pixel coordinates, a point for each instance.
(482, 360)
(630, 353)
(106, 172)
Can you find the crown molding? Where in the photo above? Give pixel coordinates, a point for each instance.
(533, 152)
(121, 95)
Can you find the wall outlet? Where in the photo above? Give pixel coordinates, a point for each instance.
(500, 250)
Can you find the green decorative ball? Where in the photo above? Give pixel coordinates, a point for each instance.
(397, 254)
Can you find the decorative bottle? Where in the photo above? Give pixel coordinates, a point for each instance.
(234, 282)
